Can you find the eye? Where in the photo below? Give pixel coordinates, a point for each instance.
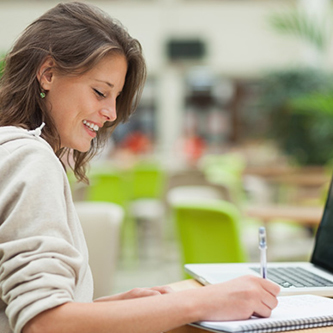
(99, 93)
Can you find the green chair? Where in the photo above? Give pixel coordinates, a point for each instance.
(148, 180)
(208, 232)
(109, 184)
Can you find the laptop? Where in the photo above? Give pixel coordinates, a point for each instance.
(314, 277)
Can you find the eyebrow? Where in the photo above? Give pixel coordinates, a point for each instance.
(106, 82)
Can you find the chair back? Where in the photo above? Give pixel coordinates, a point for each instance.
(148, 180)
(208, 231)
(101, 223)
(109, 186)
(192, 192)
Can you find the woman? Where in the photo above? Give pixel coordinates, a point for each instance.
(70, 78)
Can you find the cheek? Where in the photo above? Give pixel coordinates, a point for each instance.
(62, 103)
(69, 104)
(57, 100)
(58, 111)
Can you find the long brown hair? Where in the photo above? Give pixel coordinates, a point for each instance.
(77, 36)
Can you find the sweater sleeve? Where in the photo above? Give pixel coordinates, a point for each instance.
(39, 264)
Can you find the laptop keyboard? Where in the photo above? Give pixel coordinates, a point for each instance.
(295, 277)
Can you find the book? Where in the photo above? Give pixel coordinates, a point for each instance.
(292, 313)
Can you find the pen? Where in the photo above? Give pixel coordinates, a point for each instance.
(263, 247)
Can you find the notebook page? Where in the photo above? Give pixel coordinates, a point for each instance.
(297, 307)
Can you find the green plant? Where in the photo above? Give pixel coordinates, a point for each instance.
(302, 128)
(304, 27)
(317, 102)
(297, 100)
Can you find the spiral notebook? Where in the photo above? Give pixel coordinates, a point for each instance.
(292, 313)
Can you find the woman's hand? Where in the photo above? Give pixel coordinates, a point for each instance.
(137, 293)
(237, 299)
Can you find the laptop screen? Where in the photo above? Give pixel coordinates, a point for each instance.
(323, 252)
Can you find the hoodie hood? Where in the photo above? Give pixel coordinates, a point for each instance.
(11, 133)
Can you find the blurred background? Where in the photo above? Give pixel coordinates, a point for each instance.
(237, 109)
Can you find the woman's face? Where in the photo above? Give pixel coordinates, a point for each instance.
(81, 105)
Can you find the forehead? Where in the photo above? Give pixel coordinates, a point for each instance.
(110, 70)
(110, 62)
(111, 66)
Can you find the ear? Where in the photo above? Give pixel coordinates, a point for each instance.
(45, 73)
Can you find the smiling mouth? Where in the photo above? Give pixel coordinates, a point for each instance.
(90, 126)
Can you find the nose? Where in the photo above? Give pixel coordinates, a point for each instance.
(109, 113)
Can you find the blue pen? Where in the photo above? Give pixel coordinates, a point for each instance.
(263, 247)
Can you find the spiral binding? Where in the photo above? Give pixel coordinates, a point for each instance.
(288, 325)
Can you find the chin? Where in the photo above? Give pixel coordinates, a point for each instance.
(81, 148)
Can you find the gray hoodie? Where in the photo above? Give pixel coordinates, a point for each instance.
(43, 254)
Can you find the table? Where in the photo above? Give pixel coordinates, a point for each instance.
(302, 180)
(306, 175)
(189, 329)
(292, 184)
(303, 215)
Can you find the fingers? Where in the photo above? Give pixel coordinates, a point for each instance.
(146, 292)
(270, 301)
(163, 289)
(143, 292)
(265, 306)
(271, 287)
(267, 298)
(263, 312)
